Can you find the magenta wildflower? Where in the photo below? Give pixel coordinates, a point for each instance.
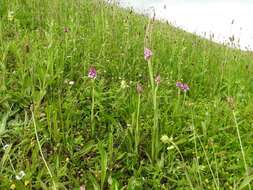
(183, 86)
(139, 88)
(92, 73)
(158, 79)
(147, 54)
(82, 187)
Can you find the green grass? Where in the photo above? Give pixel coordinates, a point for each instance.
(100, 135)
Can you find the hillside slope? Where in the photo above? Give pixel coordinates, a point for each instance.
(64, 129)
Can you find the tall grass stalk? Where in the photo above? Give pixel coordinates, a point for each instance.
(209, 164)
(155, 140)
(92, 109)
(151, 75)
(155, 122)
(241, 146)
(154, 133)
(196, 152)
(41, 152)
(137, 131)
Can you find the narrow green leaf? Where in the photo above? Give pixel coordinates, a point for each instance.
(103, 163)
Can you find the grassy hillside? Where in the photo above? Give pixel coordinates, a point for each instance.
(61, 129)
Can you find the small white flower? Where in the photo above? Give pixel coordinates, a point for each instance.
(71, 82)
(20, 175)
(6, 146)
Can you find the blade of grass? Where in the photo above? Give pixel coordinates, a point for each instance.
(41, 152)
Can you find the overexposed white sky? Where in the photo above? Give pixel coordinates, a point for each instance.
(204, 17)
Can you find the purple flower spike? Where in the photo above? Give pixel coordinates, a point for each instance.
(182, 86)
(147, 54)
(158, 79)
(185, 87)
(92, 73)
(139, 88)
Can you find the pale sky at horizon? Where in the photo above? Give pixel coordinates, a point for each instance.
(204, 17)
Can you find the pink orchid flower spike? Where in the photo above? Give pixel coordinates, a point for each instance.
(92, 74)
(147, 54)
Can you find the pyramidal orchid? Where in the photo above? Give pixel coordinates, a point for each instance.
(92, 74)
(147, 54)
(184, 87)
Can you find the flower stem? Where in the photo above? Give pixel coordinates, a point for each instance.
(137, 133)
(155, 135)
(155, 126)
(241, 146)
(151, 75)
(92, 110)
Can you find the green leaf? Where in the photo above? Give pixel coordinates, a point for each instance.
(103, 163)
(85, 150)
